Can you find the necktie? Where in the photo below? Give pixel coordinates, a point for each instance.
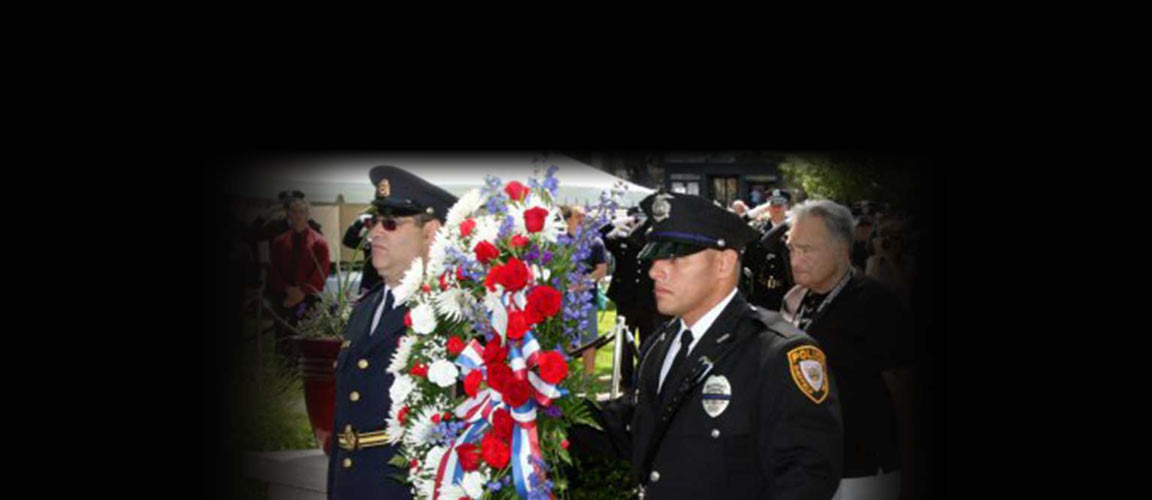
(380, 311)
(680, 361)
(685, 342)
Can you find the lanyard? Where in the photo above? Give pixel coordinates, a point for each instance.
(823, 304)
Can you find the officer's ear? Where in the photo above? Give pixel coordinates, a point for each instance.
(729, 263)
(430, 229)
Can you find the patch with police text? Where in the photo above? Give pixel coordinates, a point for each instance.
(809, 371)
(717, 393)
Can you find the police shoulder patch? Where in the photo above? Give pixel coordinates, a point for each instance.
(809, 371)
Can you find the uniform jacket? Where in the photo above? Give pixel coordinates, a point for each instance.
(768, 261)
(772, 441)
(369, 474)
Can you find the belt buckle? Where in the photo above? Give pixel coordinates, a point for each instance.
(349, 440)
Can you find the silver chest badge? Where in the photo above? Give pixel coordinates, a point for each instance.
(717, 394)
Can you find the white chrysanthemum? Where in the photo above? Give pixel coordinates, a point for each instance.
(410, 282)
(401, 354)
(395, 430)
(450, 303)
(423, 319)
(443, 373)
(438, 252)
(424, 487)
(473, 484)
(465, 206)
(401, 388)
(487, 229)
(420, 428)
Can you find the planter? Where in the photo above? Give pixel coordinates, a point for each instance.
(317, 356)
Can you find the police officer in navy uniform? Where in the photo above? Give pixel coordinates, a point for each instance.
(355, 236)
(402, 229)
(731, 401)
(769, 272)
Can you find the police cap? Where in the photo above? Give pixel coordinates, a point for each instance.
(408, 194)
(684, 224)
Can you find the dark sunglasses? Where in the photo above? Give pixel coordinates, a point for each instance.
(389, 223)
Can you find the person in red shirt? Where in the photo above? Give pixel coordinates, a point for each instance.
(300, 265)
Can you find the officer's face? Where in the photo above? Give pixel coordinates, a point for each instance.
(817, 258)
(777, 210)
(393, 251)
(684, 285)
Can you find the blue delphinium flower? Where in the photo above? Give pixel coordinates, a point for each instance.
(494, 486)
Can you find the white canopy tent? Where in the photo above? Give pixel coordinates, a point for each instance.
(337, 186)
(324, 177)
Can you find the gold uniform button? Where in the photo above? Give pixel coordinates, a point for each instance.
(654, 477)
(348, 428)
(363, 364)
(355, 396)
(334, 364)
(347, 463)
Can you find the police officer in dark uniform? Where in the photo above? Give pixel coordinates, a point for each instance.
(354, 237)
(731, 401)
(402, 229)
(769, 273)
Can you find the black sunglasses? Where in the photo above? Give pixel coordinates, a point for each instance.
(389, 223)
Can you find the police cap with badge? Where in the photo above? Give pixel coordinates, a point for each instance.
(780, 197)
(684, 224)
(400, 193)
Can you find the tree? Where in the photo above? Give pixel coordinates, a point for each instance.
(851, 177)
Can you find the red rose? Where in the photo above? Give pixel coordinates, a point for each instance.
(460, 273)
(564, 444)
(455, 345)
(485, 252)
(515, 190)
(436, 418)
(426, 288)
(494, 353)
(472, 382)
(543, 303)
(467, 226)
(419, 370)
(514, 275)
(519, 241)
(414, 463)
(534, 219)
(408, 319)
(517, 393)
(402, 414)
(517, 325)
(468, 456)
(499, 377)
(444, 280)
(491, 280)
(496, 453)
(553, 367)
(447, 416)
(502, 425)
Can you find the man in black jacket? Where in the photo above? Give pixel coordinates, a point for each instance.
(731, 401)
